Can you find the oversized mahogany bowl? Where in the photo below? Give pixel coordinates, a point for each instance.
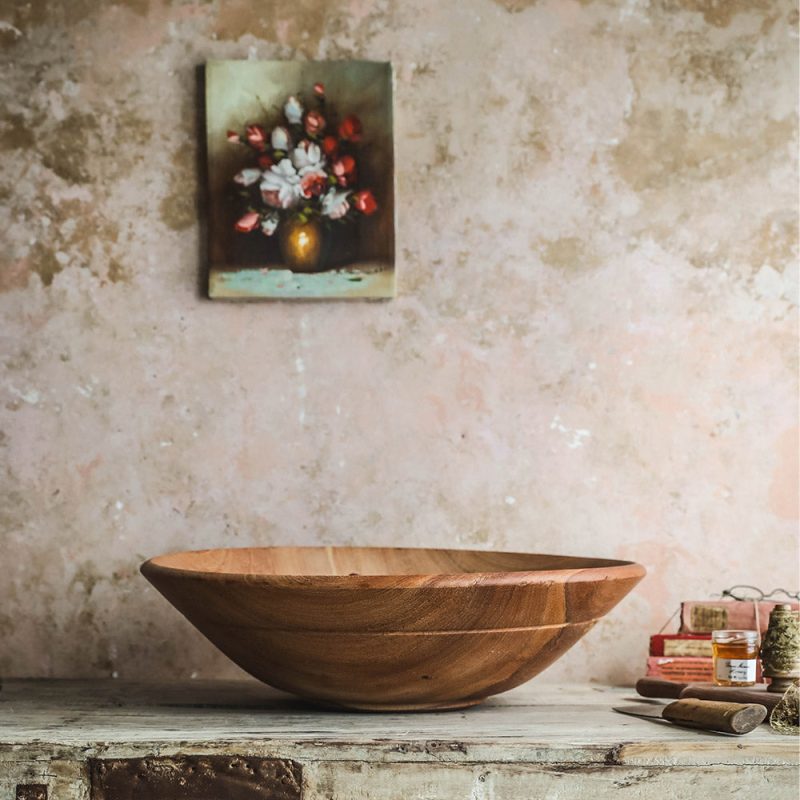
(390, 628)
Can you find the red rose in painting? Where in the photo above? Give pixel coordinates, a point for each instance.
(330, 146)
(350, 128)
(344, 169)
(364, 201)
(265, 161)
(313, 184)
(233, 136)
(248, 222)
(315, 123)
(256, 136)
(319, 90)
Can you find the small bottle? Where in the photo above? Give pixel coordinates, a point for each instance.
(735, 657)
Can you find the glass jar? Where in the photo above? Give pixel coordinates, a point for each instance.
(735, 657)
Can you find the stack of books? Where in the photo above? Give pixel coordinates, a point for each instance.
(686, 656)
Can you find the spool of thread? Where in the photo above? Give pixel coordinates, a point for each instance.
(780, 649)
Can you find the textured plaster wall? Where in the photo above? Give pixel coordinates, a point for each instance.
(593, 350)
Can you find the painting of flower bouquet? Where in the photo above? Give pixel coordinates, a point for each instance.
(301, 179)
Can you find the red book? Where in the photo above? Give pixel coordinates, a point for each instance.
(682, 669)
(681, 644)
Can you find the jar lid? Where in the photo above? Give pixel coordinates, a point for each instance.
(734, 637)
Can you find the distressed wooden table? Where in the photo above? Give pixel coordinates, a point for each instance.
(109, 740)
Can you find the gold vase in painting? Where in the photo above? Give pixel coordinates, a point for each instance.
(302, 244)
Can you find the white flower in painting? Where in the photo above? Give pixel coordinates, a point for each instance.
(307, 157)
(280, 187)
(269, 223)
(280, 138)
(334, 203)
(247, 177)
(293, 110)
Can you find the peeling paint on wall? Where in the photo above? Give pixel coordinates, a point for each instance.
(593, 350)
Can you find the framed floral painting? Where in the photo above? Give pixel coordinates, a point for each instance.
(301, 179)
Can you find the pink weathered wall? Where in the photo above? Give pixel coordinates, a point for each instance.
(593, 350)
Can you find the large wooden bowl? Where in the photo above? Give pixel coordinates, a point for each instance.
(390, 628)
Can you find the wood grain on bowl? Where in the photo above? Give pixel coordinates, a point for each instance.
(391, 628)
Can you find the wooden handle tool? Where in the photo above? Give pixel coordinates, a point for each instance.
(655, 687)
(705, 715)
(713, 715)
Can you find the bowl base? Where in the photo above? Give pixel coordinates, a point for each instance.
(403, 707)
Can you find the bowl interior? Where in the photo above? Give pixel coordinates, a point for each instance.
(336, 561)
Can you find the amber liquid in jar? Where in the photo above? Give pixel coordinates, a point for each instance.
(735, 657)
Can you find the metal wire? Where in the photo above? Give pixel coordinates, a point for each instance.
(745, 592)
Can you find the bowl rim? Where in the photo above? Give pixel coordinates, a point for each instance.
(602, 569)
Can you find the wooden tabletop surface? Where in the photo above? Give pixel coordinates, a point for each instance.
(538, 723)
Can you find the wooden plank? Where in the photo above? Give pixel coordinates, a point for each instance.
(360, 781)
(538, 724)
(539, 741)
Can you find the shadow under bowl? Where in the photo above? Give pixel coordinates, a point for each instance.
(390, 629)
